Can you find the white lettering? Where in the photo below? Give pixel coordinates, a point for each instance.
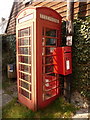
(45, 17)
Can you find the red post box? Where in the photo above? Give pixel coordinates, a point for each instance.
(38, 33)
(62, 60)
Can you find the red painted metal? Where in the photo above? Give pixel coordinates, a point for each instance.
(38, 33)
(62, 60)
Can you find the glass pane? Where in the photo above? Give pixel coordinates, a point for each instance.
(25, 77)
(23, 59)
(49, 50)
(49, 94)
(48, 68)
(25, 93)
(25, 85)
(49, 59)
(25, 68)
(51, 41)
(23, 50)
(24, 32)
(23, 41)
(51, 32)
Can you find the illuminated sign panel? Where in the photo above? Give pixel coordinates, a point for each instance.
(45, 17)
(26, 18)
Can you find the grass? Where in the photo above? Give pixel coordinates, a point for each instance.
(58, 109)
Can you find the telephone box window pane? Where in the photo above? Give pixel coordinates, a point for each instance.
(23, 59)
(49, 85)
(48, 68)
(25, 85)
(25, 68)
(24, 93)
(49, 94)
(23, 41)
(51, 32)
(51, 41)
(24, 77)
(49, 50)
(49, 59)
(24, 32)
(23, 50)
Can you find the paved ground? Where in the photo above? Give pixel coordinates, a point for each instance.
(82, 113)
(6, 98)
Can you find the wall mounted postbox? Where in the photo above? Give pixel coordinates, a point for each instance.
(38, 33)
(62, 60)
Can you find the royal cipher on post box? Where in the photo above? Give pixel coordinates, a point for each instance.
(38, 33)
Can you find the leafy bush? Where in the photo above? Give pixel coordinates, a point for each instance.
(8, 50)
(81, 52)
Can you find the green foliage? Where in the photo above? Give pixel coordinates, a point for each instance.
(58, 109)
(8, 50)
(81, 52)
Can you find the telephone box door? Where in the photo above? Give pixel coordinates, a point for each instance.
(25, 65)
(49, 88)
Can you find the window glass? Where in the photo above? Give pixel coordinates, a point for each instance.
(25, 93)
(48, 68)
(23, 41)
(23, 50)
(49, 50)
(25, 85)
(51, 32)
(51, 41)
(25, 77)
(24, 32)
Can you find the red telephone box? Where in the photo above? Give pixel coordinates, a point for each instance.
(38, 33)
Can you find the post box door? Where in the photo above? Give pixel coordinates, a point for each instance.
(24, 66)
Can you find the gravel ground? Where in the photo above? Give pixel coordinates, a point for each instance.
(82, 113)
